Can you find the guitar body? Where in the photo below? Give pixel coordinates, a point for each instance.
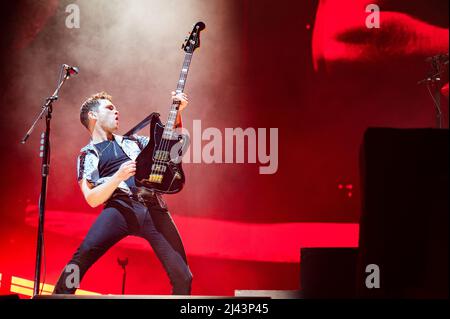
(156, 169)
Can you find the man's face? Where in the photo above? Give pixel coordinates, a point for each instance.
(107, 116)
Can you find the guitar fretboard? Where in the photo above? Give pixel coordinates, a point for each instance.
(170, 125)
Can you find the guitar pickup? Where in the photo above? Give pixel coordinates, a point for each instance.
(162, 155)
(159, 168)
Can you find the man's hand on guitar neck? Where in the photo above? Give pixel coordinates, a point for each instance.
(183, 99)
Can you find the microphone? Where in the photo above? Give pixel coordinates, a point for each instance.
(71, 70)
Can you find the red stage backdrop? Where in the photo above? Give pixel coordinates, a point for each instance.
(312, 70)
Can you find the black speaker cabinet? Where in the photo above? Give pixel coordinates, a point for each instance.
(328, 273)
(404, 219)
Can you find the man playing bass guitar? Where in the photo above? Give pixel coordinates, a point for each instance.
(106, 169)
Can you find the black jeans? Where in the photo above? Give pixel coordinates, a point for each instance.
(123, 216)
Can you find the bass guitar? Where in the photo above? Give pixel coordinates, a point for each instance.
(158, 166)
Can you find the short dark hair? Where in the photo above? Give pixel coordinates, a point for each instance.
(92, 104)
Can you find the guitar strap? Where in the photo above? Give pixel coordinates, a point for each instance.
(141, 124)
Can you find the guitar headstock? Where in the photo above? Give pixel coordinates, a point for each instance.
(192, 41)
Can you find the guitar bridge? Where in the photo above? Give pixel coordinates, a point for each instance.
(155, 178)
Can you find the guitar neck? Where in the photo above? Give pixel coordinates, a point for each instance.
(170, 125)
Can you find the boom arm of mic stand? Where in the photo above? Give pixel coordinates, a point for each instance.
(45, 107)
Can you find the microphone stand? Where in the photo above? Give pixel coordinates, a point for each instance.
(123, 263)
(47, 109)
(433, 83)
